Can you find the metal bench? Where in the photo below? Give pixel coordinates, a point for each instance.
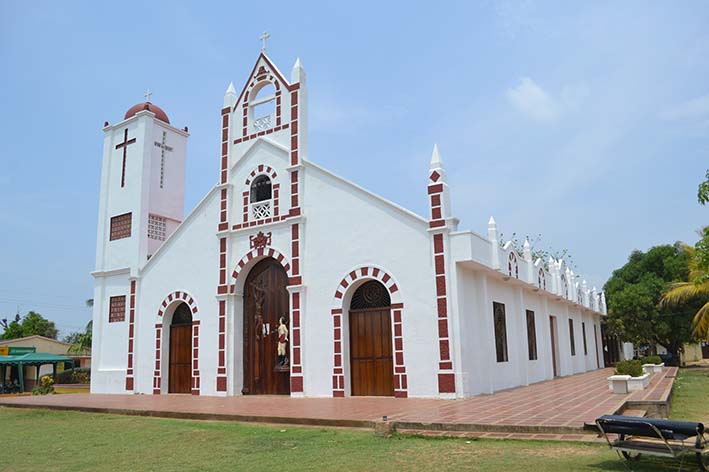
(636, 436)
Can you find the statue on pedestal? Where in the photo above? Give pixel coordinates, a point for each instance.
(282, 342)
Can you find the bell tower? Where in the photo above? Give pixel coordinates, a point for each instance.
(142, 187)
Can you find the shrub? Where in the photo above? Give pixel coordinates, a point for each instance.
(45, 386)
(651, 360)
(72, 376)
(632, 368)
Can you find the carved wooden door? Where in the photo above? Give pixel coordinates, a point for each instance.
(180, 376)
(265, 301)
(371, 361)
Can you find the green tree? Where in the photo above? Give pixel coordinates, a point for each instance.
(696, 286)
(703, 190)
(82, 341)
(634, 294)
(31, 324)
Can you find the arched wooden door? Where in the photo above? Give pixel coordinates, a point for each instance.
(265, 301)
(180, 375)
(371, 360)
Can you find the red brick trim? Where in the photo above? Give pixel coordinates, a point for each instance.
(130, 376)
(174, 297)
(446, 375)
(261, 170)
(401, 387)
(262, 252)
(271, 70)
(246, 197)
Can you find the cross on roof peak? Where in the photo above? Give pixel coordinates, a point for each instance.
(264, 37)
(147, 95)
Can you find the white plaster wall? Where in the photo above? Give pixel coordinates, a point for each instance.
(109, 356)
(347, 228)
(189, 262)
(169, 200)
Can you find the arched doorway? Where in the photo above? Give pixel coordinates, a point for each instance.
(371, 360)
(265, 302)
(180, 374)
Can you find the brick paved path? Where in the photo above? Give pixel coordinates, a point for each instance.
(559, 406)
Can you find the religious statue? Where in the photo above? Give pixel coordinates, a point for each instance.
(282, 342)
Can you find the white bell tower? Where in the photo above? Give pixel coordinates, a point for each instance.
(141, 204)
(142, 187)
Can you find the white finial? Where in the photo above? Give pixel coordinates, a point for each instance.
(147, 95)
(264, 37)
(436, 157)
(526, 244)
(298, 72)
(491, 222)
(231, 89)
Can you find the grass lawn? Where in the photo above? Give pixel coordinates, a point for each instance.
(72, 441)
(690, 400)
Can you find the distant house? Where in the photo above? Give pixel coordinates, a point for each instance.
(49, 346)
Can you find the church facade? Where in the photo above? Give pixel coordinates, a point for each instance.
(287, 279)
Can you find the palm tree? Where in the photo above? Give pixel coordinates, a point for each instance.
(697, 286)
(83, 344)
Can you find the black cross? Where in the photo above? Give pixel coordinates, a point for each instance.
(126, 142)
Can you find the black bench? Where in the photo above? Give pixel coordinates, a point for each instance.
(655, 437)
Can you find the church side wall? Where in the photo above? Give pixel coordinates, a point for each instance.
(188, 263)
(110, 340)
(481, 372)
(346, 228)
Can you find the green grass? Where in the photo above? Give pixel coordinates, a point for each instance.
(690, 400)
(72, 441)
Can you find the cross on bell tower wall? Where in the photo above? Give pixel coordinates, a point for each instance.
(142, 187)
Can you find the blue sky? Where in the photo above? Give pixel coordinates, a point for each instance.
(587, 123)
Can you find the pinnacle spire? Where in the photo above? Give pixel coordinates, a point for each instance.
(297, 74)
(231, 88)
(436, 161)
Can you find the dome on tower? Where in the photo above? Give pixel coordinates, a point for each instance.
(159, 113)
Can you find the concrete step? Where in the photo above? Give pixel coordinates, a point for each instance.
(635, 412)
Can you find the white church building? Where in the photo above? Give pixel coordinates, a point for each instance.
(288, 279)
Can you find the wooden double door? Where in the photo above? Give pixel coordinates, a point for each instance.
(265, 301)
(371, 360)
(180, 373)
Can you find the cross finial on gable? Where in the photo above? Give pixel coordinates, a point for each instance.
(264, 37)
(147, 95)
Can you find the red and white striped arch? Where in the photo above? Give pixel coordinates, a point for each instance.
(173, 299)
(261, 170)
(360, 274)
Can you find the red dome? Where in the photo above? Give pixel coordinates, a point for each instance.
(159, 113)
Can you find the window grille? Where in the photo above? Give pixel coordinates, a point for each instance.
(121, 226)
(157, 227)
(117, 309)
(370, 294)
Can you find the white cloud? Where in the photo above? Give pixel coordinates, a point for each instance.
(533, 100)
(695, 108)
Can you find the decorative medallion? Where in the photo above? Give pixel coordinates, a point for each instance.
(260, 240)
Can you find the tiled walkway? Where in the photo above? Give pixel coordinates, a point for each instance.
(559, 406)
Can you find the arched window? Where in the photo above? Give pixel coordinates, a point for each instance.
(261, 189)
(263, 108)
(564, 286)
(541, 279)
(261, 197)
(512, 265)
